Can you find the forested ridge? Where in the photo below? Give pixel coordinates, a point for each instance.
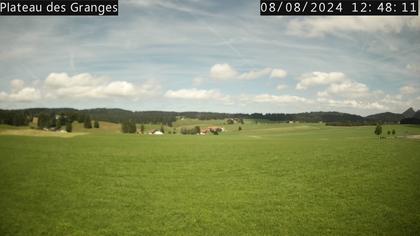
(25, 116)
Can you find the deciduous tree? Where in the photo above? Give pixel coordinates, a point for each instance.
(378, 130)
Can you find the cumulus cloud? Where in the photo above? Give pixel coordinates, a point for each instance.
(88, 86)
(273, 99)
(62, 85)
(17, 85)
(254, 74)
(356, 104)
(27, 94)
(407, 90)
(227, 72)
(196, 94)
(346, 88)
(319, 78)
(321, 26)
(20, 93)
(279, 99)
(62, 80)
(223, 72)
(278, 73)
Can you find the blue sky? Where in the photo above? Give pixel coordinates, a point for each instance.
(210, 56)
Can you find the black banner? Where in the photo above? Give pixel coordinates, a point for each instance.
(60, 7)
(339, 7)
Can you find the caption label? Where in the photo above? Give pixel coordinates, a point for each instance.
(60, 7)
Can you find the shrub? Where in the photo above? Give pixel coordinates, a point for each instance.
(378, 130)
(87, 123)
(69, 127)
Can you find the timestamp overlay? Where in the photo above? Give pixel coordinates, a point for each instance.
(339, 8)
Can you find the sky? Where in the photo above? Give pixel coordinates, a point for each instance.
(220, 56)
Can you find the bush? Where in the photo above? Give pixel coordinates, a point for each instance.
(193, 131)
(378, 130)
(128, 127)
(69, 127)
(87, 123)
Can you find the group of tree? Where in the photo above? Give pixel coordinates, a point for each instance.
(87, 123)
(128, 126)
(378, 131)
(412, 121)
(24, 116)
(51, 120)
(195, 130)
(48, 121)
(14, 117)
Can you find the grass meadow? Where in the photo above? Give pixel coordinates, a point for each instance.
(268, 179)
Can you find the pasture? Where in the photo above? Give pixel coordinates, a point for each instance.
(268, 179)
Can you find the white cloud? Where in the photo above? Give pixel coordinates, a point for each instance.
(319, 78)
(320, 26)
(278, 73)
(61, 86)
(364, 105)
(346, 88)
(196, 94)
(407, 90)
(3, 96)
(269, 98)
(396, 102)
(149, 88)
(227, 72)
(17, 84)
(20, 93)
(223, 72)
(119, 89)
(254, 74)
(88, 86)
(25, 95)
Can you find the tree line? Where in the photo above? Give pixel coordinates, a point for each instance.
(24, 116)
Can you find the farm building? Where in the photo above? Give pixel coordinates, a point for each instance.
(155, 132)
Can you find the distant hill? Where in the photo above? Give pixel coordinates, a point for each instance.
(411, 120)
(387, 117)
(417, 114)
(409, 113)
(414, 117)
(24, 116)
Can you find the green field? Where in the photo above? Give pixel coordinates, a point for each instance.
(268, 179)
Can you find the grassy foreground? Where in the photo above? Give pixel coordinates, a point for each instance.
(268, 179)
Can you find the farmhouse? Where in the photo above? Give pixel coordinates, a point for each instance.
(155, 132)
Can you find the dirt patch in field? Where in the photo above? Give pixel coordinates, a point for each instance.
(38, 133)
(414, 136)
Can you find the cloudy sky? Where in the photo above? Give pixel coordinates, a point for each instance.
(210, 56)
